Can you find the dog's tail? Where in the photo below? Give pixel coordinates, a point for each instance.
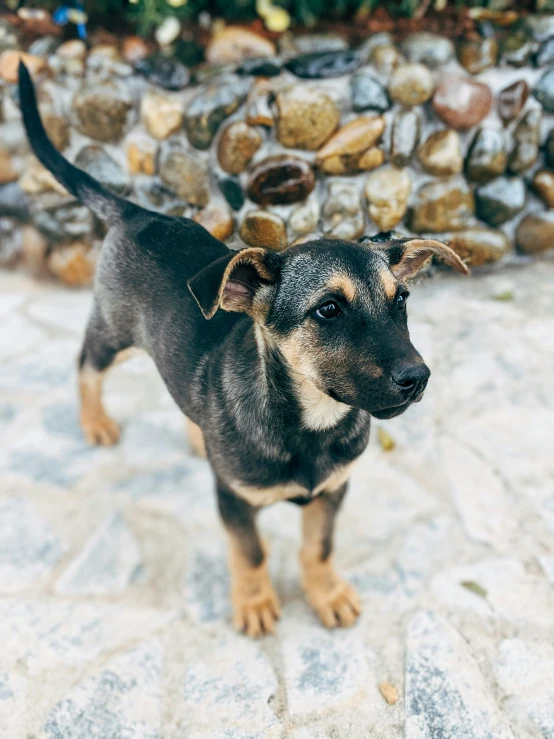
(107, 206)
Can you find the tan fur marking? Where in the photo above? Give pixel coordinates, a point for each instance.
(196, 438)
(97, 426)
(258, 496)
(255, 604)
(343, 284)
(334, 600)
(389, 283)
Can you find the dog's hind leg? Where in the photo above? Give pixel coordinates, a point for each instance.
(97, 356)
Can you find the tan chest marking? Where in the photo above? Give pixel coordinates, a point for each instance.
(262, 496)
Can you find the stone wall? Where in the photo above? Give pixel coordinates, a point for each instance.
(271, 144)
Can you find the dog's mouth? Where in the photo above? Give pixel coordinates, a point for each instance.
(387, 412)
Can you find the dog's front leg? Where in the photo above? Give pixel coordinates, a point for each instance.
(255, 603)
(334, 600)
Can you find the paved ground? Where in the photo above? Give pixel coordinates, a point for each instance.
(114, 616)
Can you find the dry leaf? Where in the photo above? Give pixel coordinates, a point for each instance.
(474, 587)
(385, 439)
(389, 693)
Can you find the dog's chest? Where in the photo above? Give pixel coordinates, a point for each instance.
(262, 495)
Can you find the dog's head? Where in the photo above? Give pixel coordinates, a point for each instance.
(336, 311)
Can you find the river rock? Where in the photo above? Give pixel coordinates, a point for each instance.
(541, 26)
(486, 157)
(258, 104)
(549, 149)
(544, 91)
(477, 54)
(500, 200)
(535, 232)
(386, 59)
(280, 179)
(260, 67)
(101, 111)
(232, 191)
(387, 191)
(411, 84)
(368, 93)
(516, 49)
(405, 135)
(428, 48)
(445, 205)
(307, 118)
(543, 184)
(310, 43)
(237, 145)
(37, 179)
(305, 217)
(264, 229)
(57, 128)
(217, 221)
(163, 71)
(324, 64)
(478, 246)
(141, 155)
(545, 54)
(9, 65)
(208, 109)
(232, 45)
(185, 174)
(461, 102)
(441, 154)
(133, 49)
(526, 141)
(74, 264)
(160, 114)
(13, 202)
(72, 49)
(155, 196)
(8, 172)
(342, 211)
(11, 243)
(512, 99)
(348, 150)
(100, 165)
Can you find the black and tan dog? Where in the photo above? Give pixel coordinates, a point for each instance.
(278, 360)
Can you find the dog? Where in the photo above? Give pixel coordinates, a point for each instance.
(278, 360)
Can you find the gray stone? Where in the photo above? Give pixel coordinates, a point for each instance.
(524, 673)
(100, 165)
(500, 200)
(108, 563)
(228, 693)
(101, 111)
(428, 48)
(368, 93)
(405, 136)
(209, 108)
(446, 694)
(123, 700)
(29, 548)
(207, 583)
(185, 173)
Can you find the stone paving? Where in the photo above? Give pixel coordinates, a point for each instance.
(114, 614)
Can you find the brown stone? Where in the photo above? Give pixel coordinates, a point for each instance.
(264, 229)
(237, 145)
(512, 99)
(37, 179)
(461, 102)
(386, 58)
(73, 264)
(535, 232)
(101, 111)
(35, 249)
(543, 184)
(162, 115)
(342, 211)
(387, 191)
(441, 154)
(141, 156)
(134, 49)
(9, 65)
(57, 128)
(345, 149)
(234, 44)
(307, 118)
(477, 246)
(411, 84)
(7, 171)
(73, 49)
(258, 108)
(217, 221)
(280, 179)
(527, 139)
(185, 174)
(445, 205)
(478, 54)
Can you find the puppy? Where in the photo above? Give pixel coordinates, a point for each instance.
(279, 360)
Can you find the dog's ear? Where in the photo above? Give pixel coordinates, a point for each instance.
(239, 282)
(406, 256)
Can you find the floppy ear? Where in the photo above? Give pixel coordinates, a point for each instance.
(237, 282)
(406, 256)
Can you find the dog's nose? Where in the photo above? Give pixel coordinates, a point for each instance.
(408, 377)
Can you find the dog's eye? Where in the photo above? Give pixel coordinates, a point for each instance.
(330, 309)
(401, 299)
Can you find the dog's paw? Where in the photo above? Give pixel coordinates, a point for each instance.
(256, 615)
(338, 606)
(100, 431)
